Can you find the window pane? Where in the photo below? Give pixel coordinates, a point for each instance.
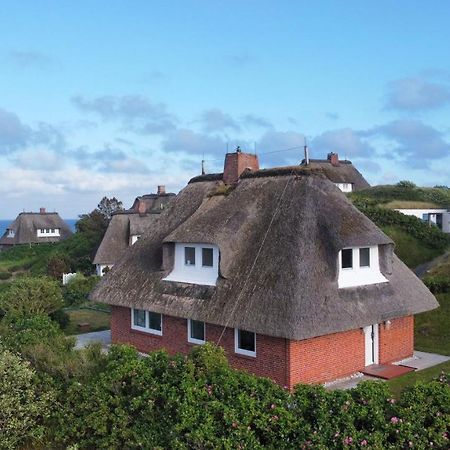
(139, 318)
(347, 258)
(246, 340)
(207, 257)
(154, 321)
(198, 330)
(189, 256)
(364, 257)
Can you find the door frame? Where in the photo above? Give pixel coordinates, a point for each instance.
(371, 344)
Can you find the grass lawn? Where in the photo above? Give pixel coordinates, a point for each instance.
(432, 329)
(398, 384)
(410, 250)
(98, 320)
(432, 334)
(408, 204)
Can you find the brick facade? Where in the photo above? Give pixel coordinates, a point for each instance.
(396, 340)
(285, 361)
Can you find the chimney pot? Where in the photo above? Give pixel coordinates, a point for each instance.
(161, 189)
(333, 158)
(236, 163)
(41, 210)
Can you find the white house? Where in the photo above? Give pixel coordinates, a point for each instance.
(438, 217)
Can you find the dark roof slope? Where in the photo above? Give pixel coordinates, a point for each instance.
(279, 238)
(25, 228)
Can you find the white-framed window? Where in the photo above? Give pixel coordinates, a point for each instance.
(196, 331)
(11, 233)
(359, 266)
(345, 187)
(195, 263)
(147, 321)
(47, 232)
(244, 342)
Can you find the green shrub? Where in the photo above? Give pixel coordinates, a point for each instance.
(24, 403)
(437, 284)
(30, 295)
(61, 318)
(78, 288)
(5, 275)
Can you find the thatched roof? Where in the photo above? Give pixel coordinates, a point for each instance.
(117, 236)
(25, 228)
(344, 172)
(131, 222)
(292, 292)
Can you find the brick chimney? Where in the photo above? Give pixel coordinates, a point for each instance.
(41, 210)
(333, 158)
(236, 163)
(141, 206)
(161, 189)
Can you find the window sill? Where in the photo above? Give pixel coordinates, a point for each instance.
(245, 356)
(146, 332)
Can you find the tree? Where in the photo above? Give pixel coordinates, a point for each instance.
(57, 265)
(406, 184)
(108, 206)
(29, 295)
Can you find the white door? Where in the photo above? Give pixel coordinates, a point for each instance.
(371, 344)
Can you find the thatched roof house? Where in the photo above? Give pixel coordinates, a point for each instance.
(127, 226)
(341, 172)
(263, 255)
(35, 228)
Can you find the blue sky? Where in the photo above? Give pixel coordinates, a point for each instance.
(114, 97)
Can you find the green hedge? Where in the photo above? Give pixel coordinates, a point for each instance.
(431, 236)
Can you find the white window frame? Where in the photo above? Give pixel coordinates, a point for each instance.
(147, 328)
(357, 275)
(190, 338)
(194, 273)
(241, 351)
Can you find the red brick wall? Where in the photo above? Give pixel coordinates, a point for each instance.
(326, 358)
(270, 361)
(396, 340)
(286, 362)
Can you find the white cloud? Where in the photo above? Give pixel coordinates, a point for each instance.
(416, 94)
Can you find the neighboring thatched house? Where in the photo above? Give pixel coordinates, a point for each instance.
(35, 228)
(126, 227)
(275, 265)
(341, 172)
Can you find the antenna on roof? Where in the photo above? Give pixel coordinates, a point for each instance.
(306, 152)
(203, 167)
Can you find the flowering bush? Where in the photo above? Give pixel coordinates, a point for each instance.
(199, 402)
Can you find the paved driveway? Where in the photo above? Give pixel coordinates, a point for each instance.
(104, 337)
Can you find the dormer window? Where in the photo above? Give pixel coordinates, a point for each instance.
(345, 187)
(135, 238)
(359, 266)
(196, 264)
(11, 233)
(48, 232)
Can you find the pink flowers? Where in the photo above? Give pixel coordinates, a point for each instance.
(348, 440)
(363, 443)
(395, 420)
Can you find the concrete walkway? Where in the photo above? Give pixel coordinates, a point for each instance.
(104, 337)
(419, 360)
